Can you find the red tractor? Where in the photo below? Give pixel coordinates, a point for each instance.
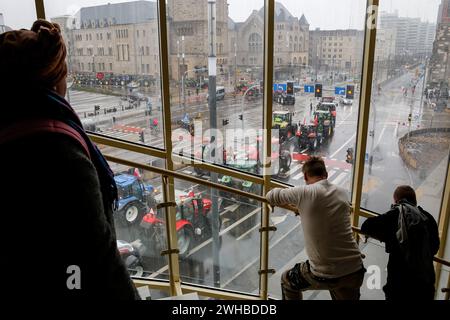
(193, 224)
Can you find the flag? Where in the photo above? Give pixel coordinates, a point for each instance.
(136, 173)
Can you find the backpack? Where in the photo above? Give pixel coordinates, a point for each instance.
(30, 127)
(414, 239)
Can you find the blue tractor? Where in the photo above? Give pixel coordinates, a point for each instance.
(135, 199)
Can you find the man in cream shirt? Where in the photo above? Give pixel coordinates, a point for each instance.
(335, 262)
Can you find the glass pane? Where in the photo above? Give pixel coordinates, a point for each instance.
(409, 135)
(317, 72)
(140, 227)
(235, 265)
(216, 82)
(14, 17)
(114, 68)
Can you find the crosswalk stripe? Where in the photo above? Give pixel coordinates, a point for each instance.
(340, 178)
(294, 170)
(331, 174)
(298, 176)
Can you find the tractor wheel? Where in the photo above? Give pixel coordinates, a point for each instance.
(185, 241)
(132, 214)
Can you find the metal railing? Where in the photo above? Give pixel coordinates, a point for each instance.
(171, 249)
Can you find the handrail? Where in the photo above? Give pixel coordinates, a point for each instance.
(435, 259)
(181, 176)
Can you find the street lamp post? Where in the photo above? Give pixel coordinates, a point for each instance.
(423, 86)
(235, 68)
(212, 71)
(179, 72)
(242, 108)
(182, 86)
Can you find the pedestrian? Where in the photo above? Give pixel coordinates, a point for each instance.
(75, 191)
(335, 262)
(310, 107)
(412, 239)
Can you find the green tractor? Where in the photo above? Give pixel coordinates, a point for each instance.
(282, 121)
(323, 120)
(250, 166)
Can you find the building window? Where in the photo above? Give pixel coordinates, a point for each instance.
(255, 43)
(137, 33)
(147, 51)
(110, 67)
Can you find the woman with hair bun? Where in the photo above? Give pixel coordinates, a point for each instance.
(59, 192)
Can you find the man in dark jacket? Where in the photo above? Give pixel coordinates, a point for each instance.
(58, 192)
(412, 239)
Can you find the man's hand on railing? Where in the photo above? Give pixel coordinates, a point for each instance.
(287, 207)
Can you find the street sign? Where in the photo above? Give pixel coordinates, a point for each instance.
(339, 91)
(309, 89)
(280, 86)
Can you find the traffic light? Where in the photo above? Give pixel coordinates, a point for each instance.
(350, 92)
(225, 122)
(290, 87)
(241, 117)
(318, 91)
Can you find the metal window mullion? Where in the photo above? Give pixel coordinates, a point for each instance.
(269, 16)
(444, 218)
(364, 108)
(174, 266)
(40, 10)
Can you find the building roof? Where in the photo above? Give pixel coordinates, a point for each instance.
(303, 20)
(118, 13)
(281, 13)
(231, 24)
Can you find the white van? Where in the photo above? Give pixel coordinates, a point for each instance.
(220, 93)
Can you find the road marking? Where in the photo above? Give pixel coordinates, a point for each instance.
(340, 178)
(294, 170)
(257, 258)
(381, 135)
(298, 176)
(340, 123)
(331, 173)
(246, 233)
(343, 146)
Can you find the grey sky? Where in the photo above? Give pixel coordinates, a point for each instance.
(326, 14)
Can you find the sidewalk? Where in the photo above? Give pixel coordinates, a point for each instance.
(429, 193)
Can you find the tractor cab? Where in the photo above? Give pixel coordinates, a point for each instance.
(281, 119)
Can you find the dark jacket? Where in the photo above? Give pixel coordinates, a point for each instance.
(408, 277)
(54, 216)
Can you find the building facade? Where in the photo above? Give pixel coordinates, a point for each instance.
(336, 50)
(413, 37)
(188, 37)
(123, 39)
(439, 64)
(115, 38)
